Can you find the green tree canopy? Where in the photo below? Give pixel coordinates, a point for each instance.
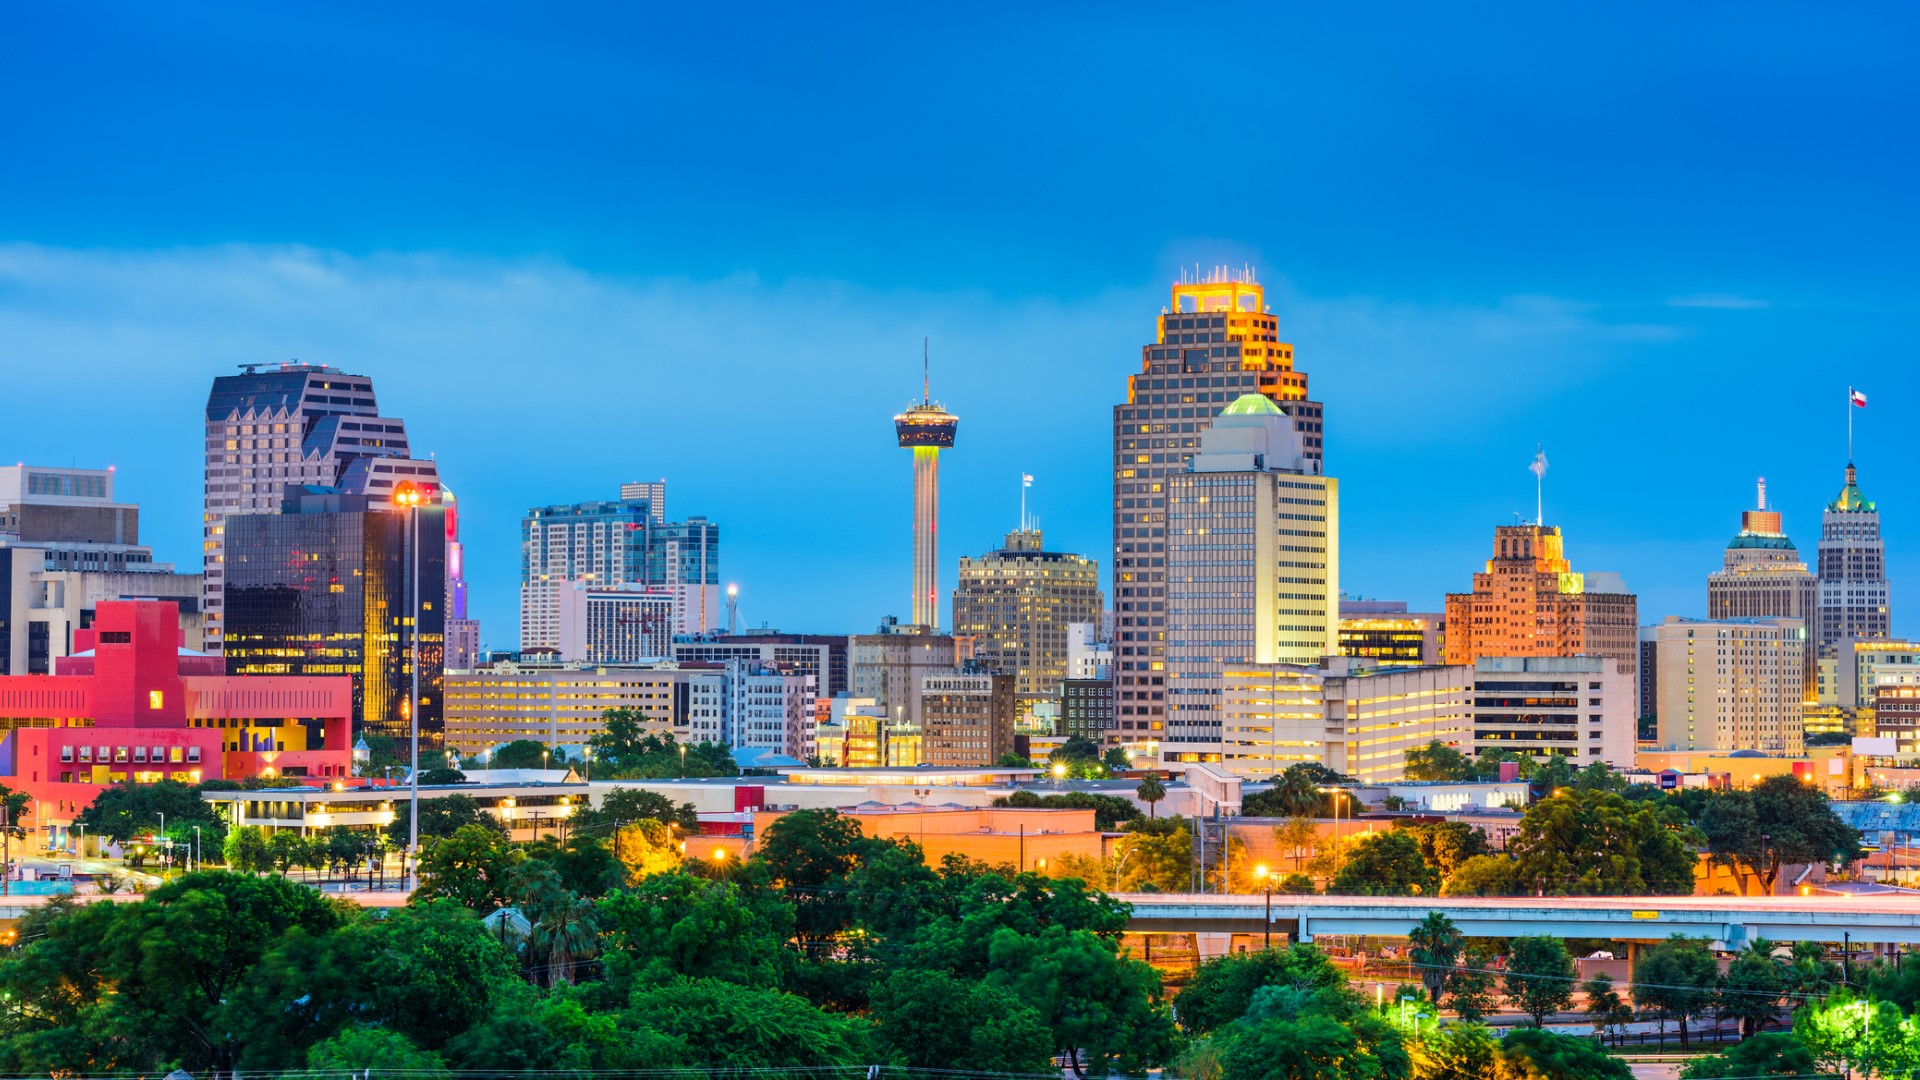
(441, 815)
(932, 1020)
(1771, 1054)
(1778, 821)
(1676, 979)
(473, 868)
(1596, 843)
(1386, 864)
(1221, 990)
(1435, 946)
(1109, 811)
(1539, 978)
(125, 810)
(1438, 761)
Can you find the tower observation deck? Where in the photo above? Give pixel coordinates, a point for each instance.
(926, 429)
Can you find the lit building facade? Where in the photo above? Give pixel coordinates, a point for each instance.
(1383, 633)
(1531, 602)
(1351, 717)
(926, 429)
(1582, 707)
(561, 706)
(616, 545)
(1855, 602)
(1732, 684)
(824, 656)
(966, 718)
(1086, 708)
(1252, 542)
(277, 425)
(326, 588)
(614, 626)
(759, 709)
(1018, 604)
(889, 667)
(134, 706)
(1089, 654)
(1763, 576)
(1216, 341)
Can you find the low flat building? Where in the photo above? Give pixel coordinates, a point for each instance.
(1582, 707)
(526, 809)
(561, 706)
(1351, 718)
(1024, 838)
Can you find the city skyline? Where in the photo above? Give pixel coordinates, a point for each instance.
(1461, 288)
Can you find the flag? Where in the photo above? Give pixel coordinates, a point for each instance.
(1857, 398)
(1539, 466)
(1026, 479)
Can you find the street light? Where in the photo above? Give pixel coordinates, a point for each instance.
(1339, 842)
(408, 495)
(197, 863)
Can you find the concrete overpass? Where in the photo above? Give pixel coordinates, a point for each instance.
(1729, 922)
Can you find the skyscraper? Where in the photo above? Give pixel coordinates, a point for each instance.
(1253, 568)
(926, 429)
(1763, 577)
(1017, 603)
(1854, 599)
(1216, 341)
(616, 545)
(325, 587)
(1531, 602)
(1731, 684)
(292, 423)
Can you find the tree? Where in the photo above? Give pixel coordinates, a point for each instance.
(1222, 990)
(1387, 864)
(932, 1020)
(441, 777)
(585, 864)
(521, 754)
(680, 925)
(1434, 946)
(1109, 811)
(626, 805)
(441, 815)
(1295, 793)
(1447, 844)
(1527, 1053)
(647, 847)
(358, 1049)
(811, 853)
(1317, 1047)
(1596, 843)
(472, 867)
(246, 850)
(1751, 988)
(1675, 980)
(1155, 856)
(1151, 791)
(1471, 992)
(562, 929)
(1771, 1054)
(1604, 1006)
(286, 849)
(1103, 1009)
(125, 810)
(1296, 835)
(1539, 978)
(1462, 1051)
(1810, 974)
(723, 1026)
(1778, 821)
(1437, 761)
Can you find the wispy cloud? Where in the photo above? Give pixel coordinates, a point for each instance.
(1720, 301)
(765, 403)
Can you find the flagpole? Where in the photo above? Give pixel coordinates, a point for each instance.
(1849, 425)
(1023, 494)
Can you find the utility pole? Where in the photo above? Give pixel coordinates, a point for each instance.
(6, 849)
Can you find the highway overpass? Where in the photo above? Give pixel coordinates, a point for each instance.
(1729, 922)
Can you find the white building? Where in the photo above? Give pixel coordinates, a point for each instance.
(1350, 718)
(1583, 707)
(1731, 684)
(1252, 567)
(1088, 655)
(747, 707)
(614, 626)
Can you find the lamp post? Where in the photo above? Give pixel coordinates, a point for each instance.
(683, 761)
(1339, 842)
(407, 494)
(197, 864)
(164, 846)
(1766, 839)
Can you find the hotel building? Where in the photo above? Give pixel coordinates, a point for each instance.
(1854, 601)
(1018, 604)
(1348, 716)
(1530, 602)
(1732, 684)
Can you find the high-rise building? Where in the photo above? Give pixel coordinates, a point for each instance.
(1383, 633)
(1350, 716)
(651, 492)
(1216, 341)
(616, 545)
(966, 718)
(614, 626)
(889, 667)
(1252, 575)
(1854, 603)
(1581, 707)
(1531, 602)
(327, 587)
(1731, 684)
(926, 429)
(761, 710)
(824, 656)
(1017, 604)
(1763, 577)
(277, 425)
(65, 546)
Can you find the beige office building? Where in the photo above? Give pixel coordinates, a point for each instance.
(889, 667)
(1017, 604)
(1252, 576)
(966, 718)
(1351, 718)
(562, 706)
(1731, 684)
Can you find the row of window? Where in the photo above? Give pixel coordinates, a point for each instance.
(138, 755)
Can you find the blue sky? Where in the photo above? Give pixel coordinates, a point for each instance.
(576, 245)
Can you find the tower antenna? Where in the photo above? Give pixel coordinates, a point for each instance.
(926, 375)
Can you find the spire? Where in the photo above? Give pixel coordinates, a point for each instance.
(1763, 494)
(926, 375)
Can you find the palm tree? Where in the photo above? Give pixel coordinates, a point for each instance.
(1151, 791)
(1435, 944)
(562, 929)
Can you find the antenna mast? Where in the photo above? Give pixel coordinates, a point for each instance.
(926, 376)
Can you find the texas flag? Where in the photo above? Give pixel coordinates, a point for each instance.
(1857, 398)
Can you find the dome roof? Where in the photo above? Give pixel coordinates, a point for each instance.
(1755, 540)
(1252, 405)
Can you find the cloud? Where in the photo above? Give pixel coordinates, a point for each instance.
(1720, 302)
(765, 403)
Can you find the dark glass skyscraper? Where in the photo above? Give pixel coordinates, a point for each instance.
(325, 588)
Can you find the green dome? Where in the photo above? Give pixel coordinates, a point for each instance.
(1755, 540)
(1252, 405)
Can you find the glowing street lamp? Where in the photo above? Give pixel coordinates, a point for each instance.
(408, 496)
(1266, 884)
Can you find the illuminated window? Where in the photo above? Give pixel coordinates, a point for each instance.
(155, 699)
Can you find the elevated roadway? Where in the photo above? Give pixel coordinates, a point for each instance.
(1728, 921)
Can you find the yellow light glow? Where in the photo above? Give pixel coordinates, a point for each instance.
(1260, 871)
(156, 699)
(719, 854)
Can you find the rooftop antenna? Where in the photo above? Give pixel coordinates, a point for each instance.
(1763, 493)
(1539, 471)
(926, 375)
(1026, 481)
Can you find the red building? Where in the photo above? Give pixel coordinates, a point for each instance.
(133, 705)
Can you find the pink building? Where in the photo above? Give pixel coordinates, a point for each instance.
(133, 705)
